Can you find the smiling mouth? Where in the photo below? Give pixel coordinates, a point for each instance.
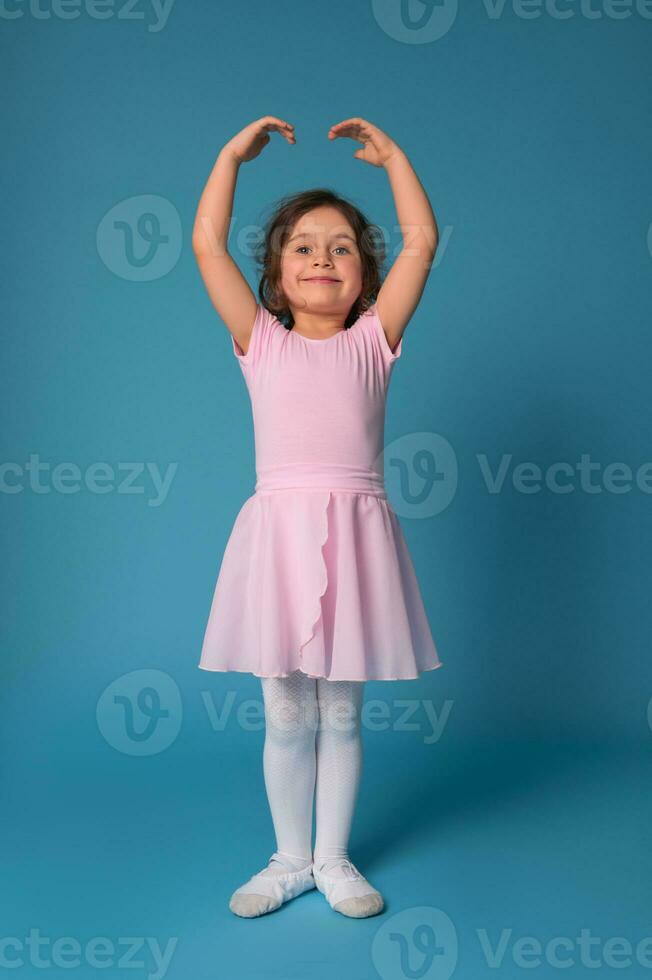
(321, 279)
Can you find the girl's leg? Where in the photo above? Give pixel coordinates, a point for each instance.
(289, 762)
(289, 766)
(339, 767)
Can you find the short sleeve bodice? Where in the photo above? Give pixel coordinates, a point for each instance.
(318, 405)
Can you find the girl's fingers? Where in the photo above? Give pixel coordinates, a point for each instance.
(346, 129)
(272, 124)
(354, 128)
(353, 133)
(355, 122)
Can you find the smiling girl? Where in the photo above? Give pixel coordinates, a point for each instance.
(316, 591)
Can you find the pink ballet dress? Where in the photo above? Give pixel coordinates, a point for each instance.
(316, 575)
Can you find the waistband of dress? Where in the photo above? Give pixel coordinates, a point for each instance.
(324, 477)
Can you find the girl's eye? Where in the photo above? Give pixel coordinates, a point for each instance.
(336, 247)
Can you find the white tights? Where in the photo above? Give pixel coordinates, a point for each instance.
(313, 748)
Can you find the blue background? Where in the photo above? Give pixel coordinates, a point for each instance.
(531, 812)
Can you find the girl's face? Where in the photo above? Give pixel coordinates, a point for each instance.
(321, 266)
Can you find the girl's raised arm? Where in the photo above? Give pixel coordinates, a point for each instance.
(401, 291)
(228, 289)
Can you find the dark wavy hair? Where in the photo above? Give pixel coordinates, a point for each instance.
(279, 228)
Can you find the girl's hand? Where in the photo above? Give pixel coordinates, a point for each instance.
(378, 147)
(248, 143)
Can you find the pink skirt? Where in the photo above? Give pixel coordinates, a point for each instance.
(319, 581)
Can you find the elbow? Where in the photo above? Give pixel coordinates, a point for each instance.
(201, 246)
(433, 237)
(423, 241)
(208, 236)
(199, 242)
(427, 246)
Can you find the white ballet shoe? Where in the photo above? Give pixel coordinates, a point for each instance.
(352, 894)
(265, 893)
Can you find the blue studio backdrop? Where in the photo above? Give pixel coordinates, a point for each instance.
(505, 798)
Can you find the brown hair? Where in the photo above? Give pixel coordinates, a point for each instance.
(278, 229)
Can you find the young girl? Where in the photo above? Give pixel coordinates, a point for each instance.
(317, 591)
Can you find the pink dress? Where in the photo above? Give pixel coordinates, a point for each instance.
(316, 575)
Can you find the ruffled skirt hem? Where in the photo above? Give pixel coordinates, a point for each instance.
(245, 670)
